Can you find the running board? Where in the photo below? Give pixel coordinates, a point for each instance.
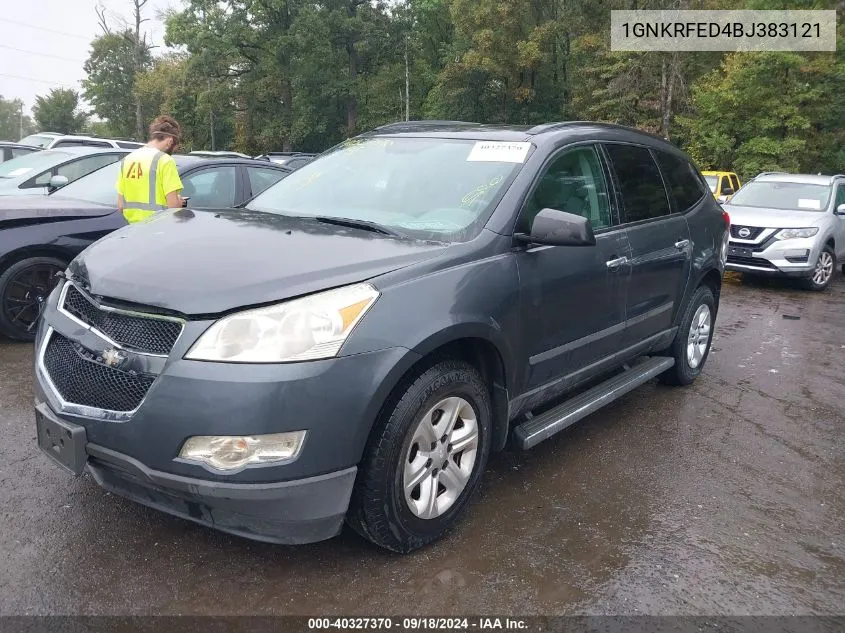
(541, 427)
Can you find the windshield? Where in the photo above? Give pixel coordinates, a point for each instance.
(789, 196)
(98, 186)
(37, 140)
(428, 188)
(712, 182)
(23, 165)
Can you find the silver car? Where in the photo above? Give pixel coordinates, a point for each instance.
(789, 225)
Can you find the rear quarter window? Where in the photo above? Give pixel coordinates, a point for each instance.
(683, 182)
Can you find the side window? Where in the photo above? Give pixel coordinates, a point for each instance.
(260, 178)
(685, 187)
(211, 187)
(643, 194)
(127, 145)
(734, 182)
(574, 183)
(840, 195)
(79, 168)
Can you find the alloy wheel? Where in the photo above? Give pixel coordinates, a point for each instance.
(824, 269)
(699, 336)
(26, 293)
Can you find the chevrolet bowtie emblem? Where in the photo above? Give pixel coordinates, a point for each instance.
(113, 357)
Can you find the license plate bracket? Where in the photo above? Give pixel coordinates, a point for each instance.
(739, 251)
(64, 443)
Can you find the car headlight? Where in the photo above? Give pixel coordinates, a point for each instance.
(310, 328)
(224, 452)
(789, 234)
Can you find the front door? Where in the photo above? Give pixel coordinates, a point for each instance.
(661, 250)
(573, 298)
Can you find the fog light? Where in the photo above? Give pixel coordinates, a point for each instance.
(225, 452)
(796, 256)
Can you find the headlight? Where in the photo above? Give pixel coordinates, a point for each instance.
(223, 452)
(789, 234)
(303, 329)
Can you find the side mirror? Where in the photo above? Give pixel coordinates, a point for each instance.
(727, 191)
(56, 182)
(558, 228)
(840, 210)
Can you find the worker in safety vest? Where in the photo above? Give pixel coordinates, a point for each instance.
(148, 180)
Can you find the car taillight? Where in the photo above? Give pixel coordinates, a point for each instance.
(727, 218)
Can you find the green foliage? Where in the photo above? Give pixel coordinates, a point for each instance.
(305, 74)
(59, 111)
(111, 79)
(12, 128)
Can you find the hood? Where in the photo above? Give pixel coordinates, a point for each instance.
(49, 208)
(773, 218)
(208, 262)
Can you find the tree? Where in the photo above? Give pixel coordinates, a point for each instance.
(14, 124)
(116, 59)
(59, 112)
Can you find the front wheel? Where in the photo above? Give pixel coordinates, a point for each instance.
(691, 346)
(24, 288)
(425, 460)
(823, 272)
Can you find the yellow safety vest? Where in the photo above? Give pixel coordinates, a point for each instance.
(140, 183)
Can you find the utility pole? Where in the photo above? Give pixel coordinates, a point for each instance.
(407, 84)
(138, 60)
(211, 118)
(21, 120)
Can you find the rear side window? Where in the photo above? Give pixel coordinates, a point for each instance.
(260, 178)
(734, 182)
(643, 195)
(685, 187)
(125, 145)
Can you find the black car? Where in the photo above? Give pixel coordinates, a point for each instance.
(355, 341)
(9, 150)
(39, 235)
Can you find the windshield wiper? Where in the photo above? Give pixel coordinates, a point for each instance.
(373, 227)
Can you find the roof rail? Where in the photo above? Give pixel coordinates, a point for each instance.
(553, 125)
(838, 176)
(769, 173)
(425, 123)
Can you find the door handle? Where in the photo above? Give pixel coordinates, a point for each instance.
(682, 244)
(613, 264)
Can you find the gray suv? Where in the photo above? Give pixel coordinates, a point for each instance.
(789, 225)
(354, 342)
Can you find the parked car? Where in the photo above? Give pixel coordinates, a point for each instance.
(294, 160)
(221, 154)
(52, 140)
(8, 150)
(356, 340)
(789, 225)
(723, 184)
(45, 171)
(40, 235)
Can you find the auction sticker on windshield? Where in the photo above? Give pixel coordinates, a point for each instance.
(499, 152)
(809, 203)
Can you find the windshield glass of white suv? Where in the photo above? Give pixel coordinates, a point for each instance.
(98, 186)
(428, 188)
(789, 196)
(31, 163)
(37, 140)
(712, 182)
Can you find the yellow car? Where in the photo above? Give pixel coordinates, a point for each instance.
(723, 184)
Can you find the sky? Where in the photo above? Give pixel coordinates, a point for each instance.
(44, 43)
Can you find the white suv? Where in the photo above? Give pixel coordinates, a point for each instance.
(51, 140)
(788, 225)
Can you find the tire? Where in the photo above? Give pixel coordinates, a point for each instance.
(691, 346)
(823, 272)
(24, 287)
(380, 509)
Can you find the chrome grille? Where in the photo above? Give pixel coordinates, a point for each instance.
(145, 334)
(754, 232)
(80, 379)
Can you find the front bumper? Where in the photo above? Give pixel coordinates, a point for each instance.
(774, 258)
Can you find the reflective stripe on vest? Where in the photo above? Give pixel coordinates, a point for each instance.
(135, 210)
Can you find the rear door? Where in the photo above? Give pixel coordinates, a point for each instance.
(573, 297)
(661, 251)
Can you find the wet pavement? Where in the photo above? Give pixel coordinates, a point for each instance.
(722, 498)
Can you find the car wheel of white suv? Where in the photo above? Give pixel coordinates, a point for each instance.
(823, 272)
